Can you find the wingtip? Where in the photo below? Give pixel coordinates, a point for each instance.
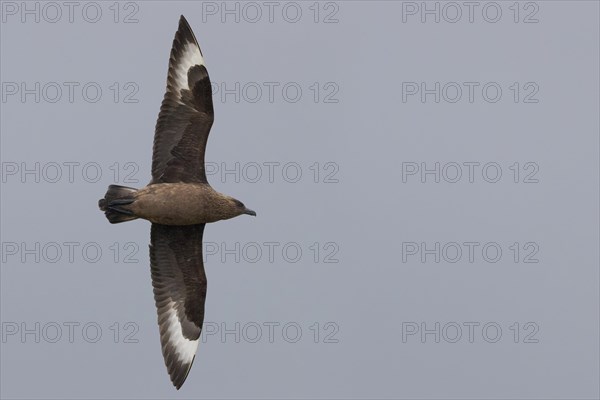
(185, 31)
(184, 24)
(178, 380)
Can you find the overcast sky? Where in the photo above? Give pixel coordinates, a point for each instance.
(425, 178)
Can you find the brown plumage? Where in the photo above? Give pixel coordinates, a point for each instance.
(179, 202)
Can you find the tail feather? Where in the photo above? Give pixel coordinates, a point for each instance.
(113, 203)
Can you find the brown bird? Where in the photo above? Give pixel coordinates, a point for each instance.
(179, 202)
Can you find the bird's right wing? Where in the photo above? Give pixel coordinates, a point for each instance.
(186, 114)
(179, 285)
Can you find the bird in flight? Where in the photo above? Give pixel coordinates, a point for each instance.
(178, 202)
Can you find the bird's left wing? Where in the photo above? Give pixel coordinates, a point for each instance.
(179, 285)
(186, 114)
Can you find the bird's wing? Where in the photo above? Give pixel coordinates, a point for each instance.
(179, 285)
(186, 114)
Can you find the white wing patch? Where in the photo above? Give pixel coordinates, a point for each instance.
(191, 56)
(185, 349)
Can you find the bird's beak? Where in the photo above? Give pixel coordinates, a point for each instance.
(250, 212)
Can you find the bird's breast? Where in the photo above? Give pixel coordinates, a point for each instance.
(177, 204)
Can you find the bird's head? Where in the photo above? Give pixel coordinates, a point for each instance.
(241, 208)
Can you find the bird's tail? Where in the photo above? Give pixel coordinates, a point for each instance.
(114, 202)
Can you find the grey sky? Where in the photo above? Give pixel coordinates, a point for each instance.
(370, 144)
